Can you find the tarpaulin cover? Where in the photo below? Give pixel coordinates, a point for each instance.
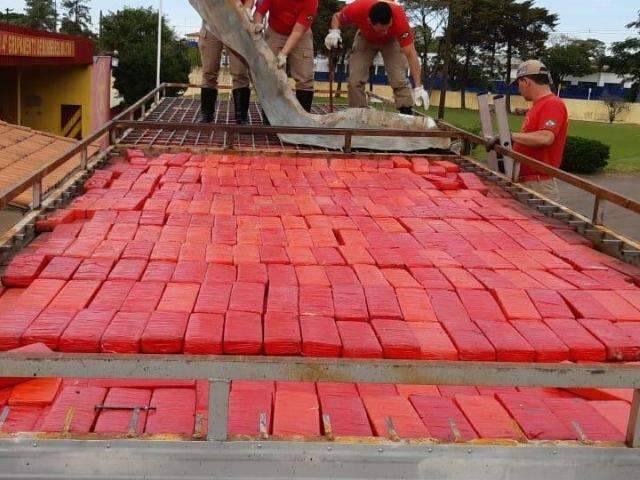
(405, 420)
(61, 268)
(204, 334)
(111, 295)
(48, 327)
(85, 331)
(242, 333)
(296, 414)
(40, 391)
(174, 411)
(282, 334)
(358, 340)
(488, 418)
(548, 347)
(347, 414)
(123, 420)
(575, 412)
(442, 418)
(583, 346)
(349, 302)
(535, 418)
(124, 332)
(74, 410)
(549, 304)
(320, 337)
(619, 345)
(246, 403)
(164, 332)
(415, 305)
(396, 338)
(509, 345)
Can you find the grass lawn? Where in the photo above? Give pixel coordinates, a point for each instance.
(624, 139)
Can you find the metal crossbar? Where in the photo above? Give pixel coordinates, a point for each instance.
(221, 370)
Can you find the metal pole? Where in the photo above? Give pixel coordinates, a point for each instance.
(159, 43)
(218, 409)
(633, 429)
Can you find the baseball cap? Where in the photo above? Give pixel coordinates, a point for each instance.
(531, 67)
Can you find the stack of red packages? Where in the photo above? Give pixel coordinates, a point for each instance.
(396, 338)
(281, 334)
(164, 332)
(358, 340)
(320, 337)
(23, 270)
(296, 414)
(85, 331)
(346, 413)
(204, 334)
(124, 333)
(242, 333)
(393, 413)
(247, 401)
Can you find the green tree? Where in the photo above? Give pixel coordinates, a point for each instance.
(40, 14)
(625, 59)
(77, 17)
(9, 16)
(572, 57)
(132, 32)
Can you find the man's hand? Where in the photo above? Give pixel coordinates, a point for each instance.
(258, 28)
(282, 60)
(421, 97)
(492, 142)
(333, 40)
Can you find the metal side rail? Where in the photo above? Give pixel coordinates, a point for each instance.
(40, 456)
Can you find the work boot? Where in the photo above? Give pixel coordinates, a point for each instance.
(241, 98)
(208, 98)
(406, 110)
(305, 97)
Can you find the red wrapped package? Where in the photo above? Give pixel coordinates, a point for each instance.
(574, 412)
(582, 345)
(77, 403)
(179, 297)
(281, 275)
(204, 334)
(40, 293)
(302, 256)
(443, 418)
(516, 304)
(349, 302)
(123, 420)
(213, 298)
(174, 412)
(246, 403)
(406, 391)
(333, 388)
(431, 278)
(327, 256)
(143, 297)
(85, 331)
(480, 305)
(13, 324)
(616, 412)
(382, 302)
(508, 343)
(189, 272)
(23, 269)
(128, 269)
(296, 414)
(164, 332)
(618, 306)
(61, 268)
(399, 278)
(548, 347)
(247, 297)
(281, 334)
(341, 275)
(358, 340)
(415, 305)
(21, 418)
(38, 392)
(124, 332)
(283, 299)
(434, 342)
(111, 295)
(94, 269)
(535, 418)
(585, 305)
(312, 275)
(469, 340)
(76, 294)
(158, 271)
(166, 251)
(619, 345)
(450, 391)
(347, 415)
(316, 300)
(217, 273)
(488, 417)
(549, 304)
(356, 255)
(320, 337)
(396, 338)
(242, 333)
(376, 389)
(48, 327)
(405, 420)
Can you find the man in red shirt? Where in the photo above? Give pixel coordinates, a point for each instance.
(544, 131)
(382, 27)
(289, 37)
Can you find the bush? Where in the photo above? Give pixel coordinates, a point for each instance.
(583, 155)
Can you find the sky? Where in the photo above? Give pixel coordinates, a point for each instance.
(601, 19)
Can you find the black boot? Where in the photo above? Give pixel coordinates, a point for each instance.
(241, 98)
(305, 97)
(208, 98)
(406, 110)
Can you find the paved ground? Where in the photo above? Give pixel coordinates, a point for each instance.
(617, 218)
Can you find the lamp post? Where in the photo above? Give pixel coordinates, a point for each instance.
(159, 42)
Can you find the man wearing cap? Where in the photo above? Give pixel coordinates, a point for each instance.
(544, 131)
(211, 53)
(289, 36)
(382, 27)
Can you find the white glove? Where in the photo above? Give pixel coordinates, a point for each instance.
(282, 60)
(421, 97)
(333, 39)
